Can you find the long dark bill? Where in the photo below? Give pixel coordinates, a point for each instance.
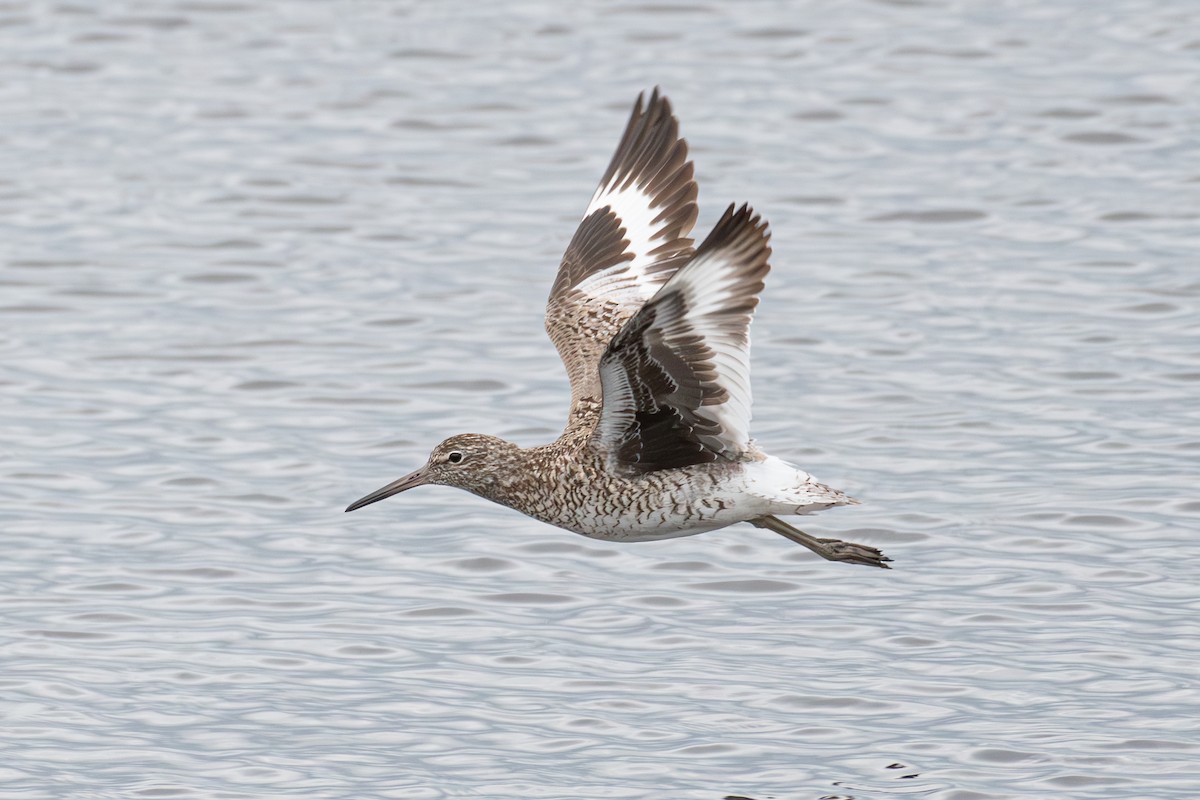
(395, 487)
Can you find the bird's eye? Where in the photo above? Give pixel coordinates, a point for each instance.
(454, 457)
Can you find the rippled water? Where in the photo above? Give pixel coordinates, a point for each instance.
(258, 257)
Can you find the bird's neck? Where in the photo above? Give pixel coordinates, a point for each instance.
(526, 470)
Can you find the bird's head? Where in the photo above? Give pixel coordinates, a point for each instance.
(470, 461)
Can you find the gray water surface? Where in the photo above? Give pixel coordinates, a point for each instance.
(257, 258)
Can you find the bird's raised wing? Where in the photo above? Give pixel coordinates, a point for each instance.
(633, 237)
(676, 377)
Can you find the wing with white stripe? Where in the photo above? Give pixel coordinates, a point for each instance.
(676, 378)
(633, 237)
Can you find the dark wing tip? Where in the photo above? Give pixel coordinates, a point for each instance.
(744, 235)
(734, 221)
(651, 148)
(652, 156)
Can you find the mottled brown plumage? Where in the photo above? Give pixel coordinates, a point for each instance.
(654, 336)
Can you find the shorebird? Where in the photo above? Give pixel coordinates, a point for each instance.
(654, 334)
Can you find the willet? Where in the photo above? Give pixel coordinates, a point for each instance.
(654, 334)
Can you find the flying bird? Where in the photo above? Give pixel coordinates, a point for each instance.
(654, 334)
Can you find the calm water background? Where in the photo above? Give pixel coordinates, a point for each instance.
(259, 257)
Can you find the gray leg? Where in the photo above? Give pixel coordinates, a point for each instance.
(830, 549)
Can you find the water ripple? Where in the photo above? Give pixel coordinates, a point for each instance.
(260, 256)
